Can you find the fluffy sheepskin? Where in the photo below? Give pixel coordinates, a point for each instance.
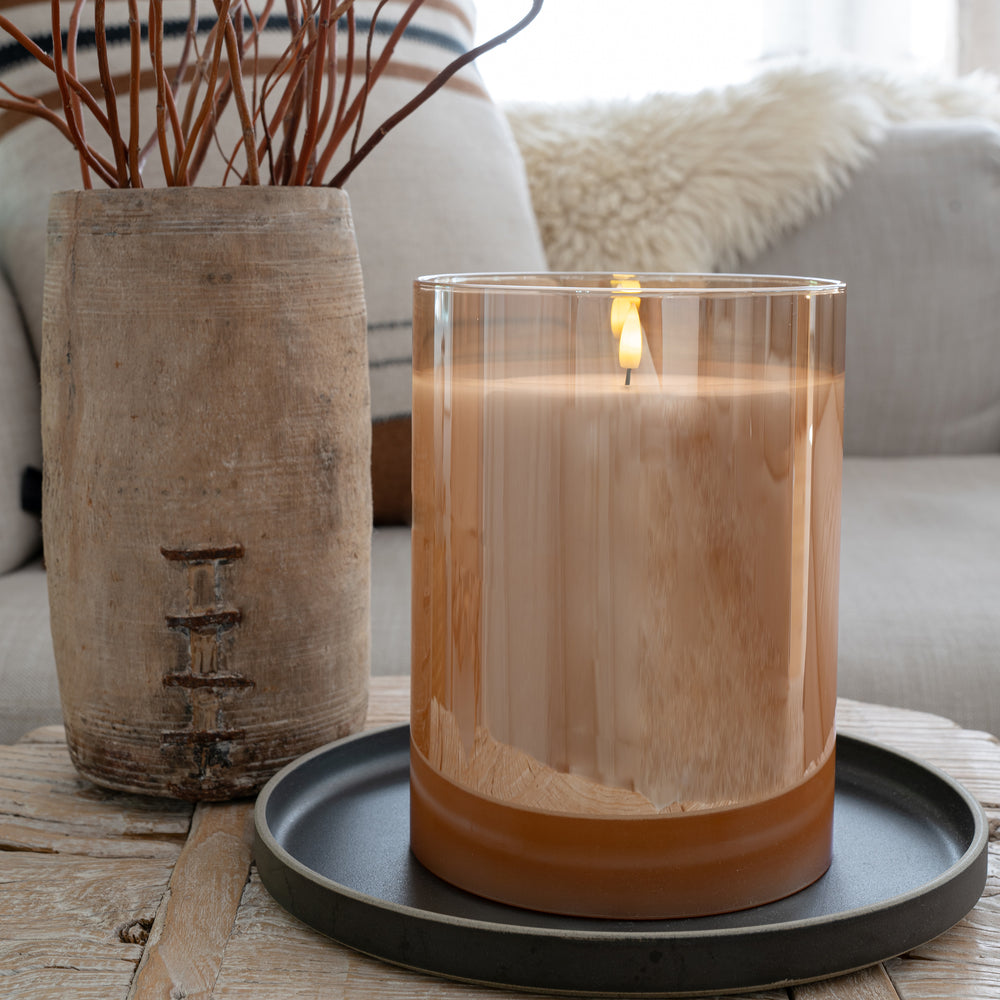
(697, 182)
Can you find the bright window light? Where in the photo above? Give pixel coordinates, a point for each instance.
(582, 49)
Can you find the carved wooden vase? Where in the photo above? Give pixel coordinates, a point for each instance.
(207, 497)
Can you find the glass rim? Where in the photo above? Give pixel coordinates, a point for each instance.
(652, 283)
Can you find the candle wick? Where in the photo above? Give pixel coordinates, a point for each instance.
(628, 375)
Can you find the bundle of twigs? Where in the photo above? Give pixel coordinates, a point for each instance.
(293, 119)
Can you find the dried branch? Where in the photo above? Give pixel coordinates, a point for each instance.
(87, 156)
(259, 24)
(291, 105)
(200, 72)
(213, 75)
(348, 70)
(432, 88)
(37, 109)
(135, 77)
(239, 92)
(326, 114)
(209, 136)
(372, 73)
(110, 103)
(72, 38)
(190, 45)
(311, 92)
(318, 58)
(289, 109)
(370, 77)
(159, 72)
(46, 60)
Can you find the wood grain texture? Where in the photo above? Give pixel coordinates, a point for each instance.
(964, 962)
(189, 936)
(867, 984)
(71, 927)
(971, 757)
(46, 806)
(82, 875)
(74, 926)
(389, 701)
(207, 434)
(45, 734)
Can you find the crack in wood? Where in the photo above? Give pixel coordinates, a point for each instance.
(203, 554)
(137, 932)
(13, 847)
(206, 622)
(192, 738)
(186, 680)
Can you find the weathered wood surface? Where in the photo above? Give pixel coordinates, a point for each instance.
(867, 984)
(970, 757)
(188, 939)
(45, 806)
(208, 521)
(121, 897)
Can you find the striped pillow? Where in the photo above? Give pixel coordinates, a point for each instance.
(445, 191)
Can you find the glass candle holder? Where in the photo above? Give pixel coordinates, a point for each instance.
(626, 532)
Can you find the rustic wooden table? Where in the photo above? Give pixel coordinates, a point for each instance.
(111, 896)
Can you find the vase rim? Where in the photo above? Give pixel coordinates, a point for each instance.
(244, 191)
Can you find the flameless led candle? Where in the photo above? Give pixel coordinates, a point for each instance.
(625, 550)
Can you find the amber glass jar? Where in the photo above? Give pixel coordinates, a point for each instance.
(625, 570)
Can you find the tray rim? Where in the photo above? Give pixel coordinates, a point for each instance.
(640, 931)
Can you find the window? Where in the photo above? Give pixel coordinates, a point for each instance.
(579, 49)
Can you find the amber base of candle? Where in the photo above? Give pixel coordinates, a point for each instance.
(657, 867)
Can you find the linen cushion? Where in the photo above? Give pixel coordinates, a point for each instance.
(27, 664)
(391, 600)
(444, 192)
(919, 579)
(917, 238)
(20, 436)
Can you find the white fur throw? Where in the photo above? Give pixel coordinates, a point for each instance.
(697, 182)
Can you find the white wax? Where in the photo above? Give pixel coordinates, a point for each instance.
(619, 578)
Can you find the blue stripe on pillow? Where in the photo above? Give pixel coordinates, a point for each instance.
(12, 54)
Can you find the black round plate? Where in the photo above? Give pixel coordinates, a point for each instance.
(332, 847)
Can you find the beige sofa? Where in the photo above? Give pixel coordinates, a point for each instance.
(915, 232)
(916, 236)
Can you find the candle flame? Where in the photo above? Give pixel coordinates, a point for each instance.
(630, 345)
(622, 304)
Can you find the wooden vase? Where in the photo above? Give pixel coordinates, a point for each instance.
(207, 495)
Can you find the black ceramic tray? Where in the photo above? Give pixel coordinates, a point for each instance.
(332, 847)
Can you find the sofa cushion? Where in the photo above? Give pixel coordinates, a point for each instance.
(919, 585)
(444, 192)
(20, 436)
(27, 664)
(391, 600)
(923, 300)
